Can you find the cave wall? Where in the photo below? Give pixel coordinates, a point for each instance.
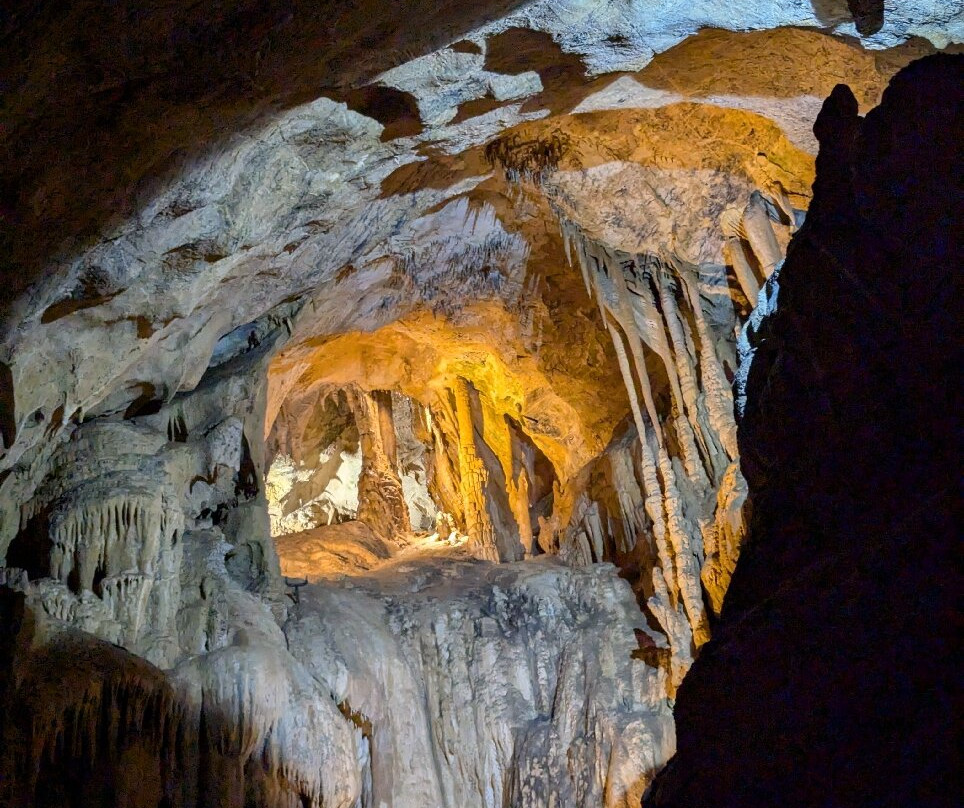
(144, 662)
(521, 690)
(831, 676)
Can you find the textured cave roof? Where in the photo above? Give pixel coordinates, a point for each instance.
(173, 171)
(104, 100)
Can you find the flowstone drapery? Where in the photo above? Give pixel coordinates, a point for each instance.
(687, 460)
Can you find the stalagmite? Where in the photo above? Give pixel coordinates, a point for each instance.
(518, 490)
(414, 460)
(594, 529)
(508, 678)
(381, 500)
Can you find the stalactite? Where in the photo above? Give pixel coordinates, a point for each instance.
(220, 728)
(670, 616)
(627, 374)
(716, 388)
(470, 252)
(652, 321)
(684, 556)
(112, 532)
(727, 532)
(653, 499)
(644, 306)
(106, 701)
(594, 529)
(663, 501)
(686, 430)
(628, 495)
(759, 232)
(731, 224)
(613, 298)
(126, 597)
(112, 558)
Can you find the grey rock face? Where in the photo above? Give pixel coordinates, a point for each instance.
(483, 683)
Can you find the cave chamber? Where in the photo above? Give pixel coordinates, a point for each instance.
(372, 400)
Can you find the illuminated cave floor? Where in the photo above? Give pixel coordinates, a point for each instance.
(351, 548)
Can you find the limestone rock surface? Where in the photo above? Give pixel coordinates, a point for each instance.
(446, 296)
(514, 682)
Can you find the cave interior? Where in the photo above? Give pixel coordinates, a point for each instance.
(480, 405)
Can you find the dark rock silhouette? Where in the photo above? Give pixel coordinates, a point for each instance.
(830, 680)
(868, 15)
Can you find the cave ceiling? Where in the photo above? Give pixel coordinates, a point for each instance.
(345, 173)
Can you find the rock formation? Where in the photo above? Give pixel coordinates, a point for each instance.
(366, 427)
(832, 657)
(516, 681)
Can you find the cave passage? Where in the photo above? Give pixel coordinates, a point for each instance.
(500, 407)
(396, 475)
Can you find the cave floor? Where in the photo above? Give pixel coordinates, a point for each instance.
(484, 668)
(351, 549)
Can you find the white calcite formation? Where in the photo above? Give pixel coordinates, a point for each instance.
(478, 685)
(313, 476)
(657, 281)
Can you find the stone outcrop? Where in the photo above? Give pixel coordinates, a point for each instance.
(87, 723)
(145, 664)
(481, 685)
(830, 678)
